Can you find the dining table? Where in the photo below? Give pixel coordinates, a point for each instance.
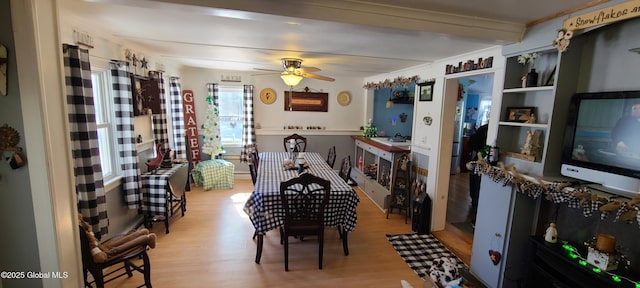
(264, 206)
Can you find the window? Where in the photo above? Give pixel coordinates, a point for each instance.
(103, 99)
(231, 102)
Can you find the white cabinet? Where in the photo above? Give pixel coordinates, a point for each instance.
(373, 169)
(504, 222)
(549, 100)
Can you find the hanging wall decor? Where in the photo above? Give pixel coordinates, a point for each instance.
(268, 96)
(344, 98)
(306, 101)
(9, 139)
(191, 125)
(146, 96)
(3, 70)
(600, 17)
(426, 91)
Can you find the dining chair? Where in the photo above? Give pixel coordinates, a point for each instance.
(304, 199)
(300, 143)
(331, 157)
(124, 258)
(345, 169)
(253, 165)
(253, 169)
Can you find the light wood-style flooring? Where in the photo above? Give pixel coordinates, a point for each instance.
(211, 246)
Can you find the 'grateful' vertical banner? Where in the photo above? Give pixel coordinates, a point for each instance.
(191, 125)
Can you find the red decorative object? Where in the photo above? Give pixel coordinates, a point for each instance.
(495, 257)
(154, 163)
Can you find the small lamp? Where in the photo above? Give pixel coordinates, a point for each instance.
(389, 104)
(290, 79)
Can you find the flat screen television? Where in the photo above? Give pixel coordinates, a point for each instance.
(602, 140)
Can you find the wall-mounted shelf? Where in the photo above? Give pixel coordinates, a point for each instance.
(528, 89)
(529, 125)
(145, 145)
(402, 101)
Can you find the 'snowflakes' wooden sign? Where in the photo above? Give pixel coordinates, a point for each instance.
(604, 16)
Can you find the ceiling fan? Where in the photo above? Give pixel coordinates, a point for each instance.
(294, 72)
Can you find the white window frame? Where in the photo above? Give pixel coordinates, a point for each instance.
(103, 99)
(232, 89)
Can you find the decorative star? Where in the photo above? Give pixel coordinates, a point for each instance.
(144, 63)
(127, 55)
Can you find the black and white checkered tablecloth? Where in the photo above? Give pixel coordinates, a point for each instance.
(265, 209)
(154, 189)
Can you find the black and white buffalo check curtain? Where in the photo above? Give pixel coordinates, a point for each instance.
(84, 139)
(249, 131)
(160, 120)
(123, 109)
(177, 118)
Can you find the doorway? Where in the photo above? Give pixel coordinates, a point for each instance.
(472, 110)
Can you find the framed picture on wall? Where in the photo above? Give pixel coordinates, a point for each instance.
(146, 95)
(426, 91)
(519, 114)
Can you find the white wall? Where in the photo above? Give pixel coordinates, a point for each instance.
(434, 141)
(273, 116)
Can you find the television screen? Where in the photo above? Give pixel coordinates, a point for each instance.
(603, 134)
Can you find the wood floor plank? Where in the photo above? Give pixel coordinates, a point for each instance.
(211, 246)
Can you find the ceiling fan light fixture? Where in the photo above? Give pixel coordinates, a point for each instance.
(290, 79)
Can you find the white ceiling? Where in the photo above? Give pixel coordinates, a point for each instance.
(356, 38)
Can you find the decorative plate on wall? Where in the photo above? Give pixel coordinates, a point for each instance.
(268, 96)
(344, 98)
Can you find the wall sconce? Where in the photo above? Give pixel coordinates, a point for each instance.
(389, 104)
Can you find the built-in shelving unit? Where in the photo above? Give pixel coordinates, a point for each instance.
(374, 167)
(547, 102)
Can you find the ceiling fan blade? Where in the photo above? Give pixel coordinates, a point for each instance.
(264, 73)
(309, 69)
(268, 70)
(319, 77)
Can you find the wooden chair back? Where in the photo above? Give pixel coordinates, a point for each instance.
(331, 157)
(300, 143)
(345, 168)
(124, 258)
(304, 199)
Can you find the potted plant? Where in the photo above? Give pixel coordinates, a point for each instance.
(531, 78)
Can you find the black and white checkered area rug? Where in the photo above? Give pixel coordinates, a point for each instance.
(419, 251)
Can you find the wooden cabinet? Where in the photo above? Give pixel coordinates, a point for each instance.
(373, 169)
